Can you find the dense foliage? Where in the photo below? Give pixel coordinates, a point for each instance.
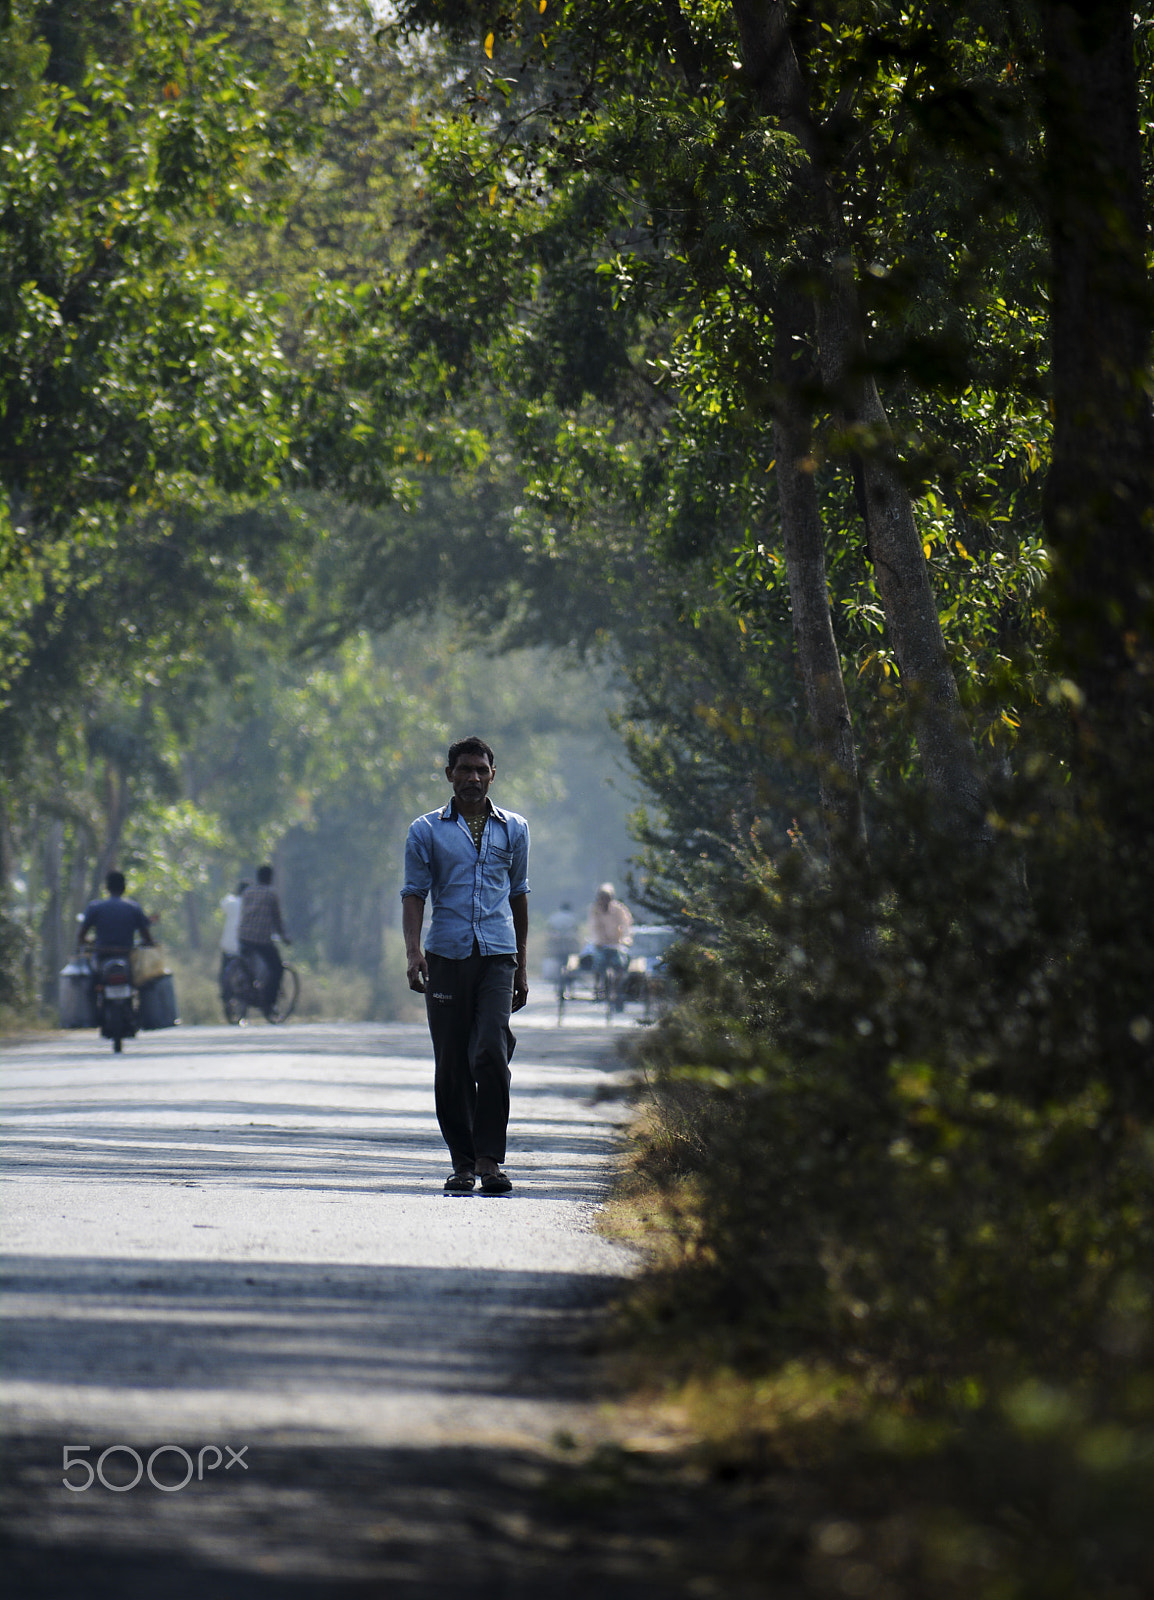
(195, 198)
(792, 358)
(770, 275)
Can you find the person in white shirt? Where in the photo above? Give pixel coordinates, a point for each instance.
(230, 933)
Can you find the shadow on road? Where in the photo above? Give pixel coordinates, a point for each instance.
(253, 1250)
(311, 1516)
(390, 1155)
(259, 1326)
(316, 1523)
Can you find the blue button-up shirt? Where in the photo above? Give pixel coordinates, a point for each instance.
(470, 889)
(116, 921)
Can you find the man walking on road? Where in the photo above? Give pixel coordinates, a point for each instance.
(472, 858)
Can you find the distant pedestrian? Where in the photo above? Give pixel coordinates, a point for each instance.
(261, 924)
(562, 935)
(230, 933)
(471, 859)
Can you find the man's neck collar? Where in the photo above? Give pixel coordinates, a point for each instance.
(487, 810)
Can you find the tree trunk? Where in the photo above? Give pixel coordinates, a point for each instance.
(51, 926)
(117, 809)
(6, 853)
(192, 907)
(947, 751)
(1100, 490)
(803, 540)
(948, 757)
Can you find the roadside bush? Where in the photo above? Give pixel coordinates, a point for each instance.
(929, 1084)
(16, 988)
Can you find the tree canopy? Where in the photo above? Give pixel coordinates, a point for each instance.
(783, 368)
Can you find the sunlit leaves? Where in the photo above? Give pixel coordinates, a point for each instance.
(127, 356)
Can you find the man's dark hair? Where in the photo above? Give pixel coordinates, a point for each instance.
(114, 882)
(472, 746)
(264, 874)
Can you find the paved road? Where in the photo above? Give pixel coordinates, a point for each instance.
(238, 1239)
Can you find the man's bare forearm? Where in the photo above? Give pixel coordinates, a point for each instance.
(519, 906)
(412, 921)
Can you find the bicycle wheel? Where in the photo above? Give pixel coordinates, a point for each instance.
(235, 991)
(615, 975)
(286, 996)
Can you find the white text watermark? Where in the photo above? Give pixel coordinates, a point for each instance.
(129, 1464)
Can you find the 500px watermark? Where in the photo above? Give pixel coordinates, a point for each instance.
(208, 1458)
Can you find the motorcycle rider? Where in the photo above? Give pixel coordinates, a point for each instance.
(115, 921)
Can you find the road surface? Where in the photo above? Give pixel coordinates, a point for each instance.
(231, 1276)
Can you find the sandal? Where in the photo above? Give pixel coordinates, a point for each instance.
(462, 1180)
(495, 1183)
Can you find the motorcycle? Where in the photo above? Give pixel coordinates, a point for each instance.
(117, 1014)
(118, 991)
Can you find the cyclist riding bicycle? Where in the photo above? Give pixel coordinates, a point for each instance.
(260, 920)
(610, 933)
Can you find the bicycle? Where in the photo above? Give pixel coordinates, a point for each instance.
(613, 983)
(610, 965)
(584, 975)
(241, 987)
(567, 969)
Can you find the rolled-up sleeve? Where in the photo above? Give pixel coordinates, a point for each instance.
(418, 861)
(519, 865)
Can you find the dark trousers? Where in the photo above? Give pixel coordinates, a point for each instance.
(274, 966)
(469, 1003)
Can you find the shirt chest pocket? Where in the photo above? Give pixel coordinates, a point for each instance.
(499, 855)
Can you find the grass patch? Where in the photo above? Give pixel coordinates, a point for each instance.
(18, 1021)
(327, 994)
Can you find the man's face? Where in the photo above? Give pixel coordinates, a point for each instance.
(470, 777)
